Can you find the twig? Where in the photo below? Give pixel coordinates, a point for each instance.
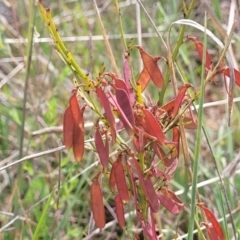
(18, 68)
(107, 44)
(153, 24)
(36, 155)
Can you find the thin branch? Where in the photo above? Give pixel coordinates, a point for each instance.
(36, 155)
(107, 44)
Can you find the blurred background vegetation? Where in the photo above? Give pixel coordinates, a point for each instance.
(26, 187)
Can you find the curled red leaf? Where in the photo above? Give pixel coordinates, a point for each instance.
(120, 84)
(168, 107)
(189, 123)
(152, 127)
(226, 72)
(170, 201)
(216, 225)
(211, 231)
(179, 98)
(199, 46)
(150, 63)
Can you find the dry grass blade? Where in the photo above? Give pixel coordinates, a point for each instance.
(106, 41)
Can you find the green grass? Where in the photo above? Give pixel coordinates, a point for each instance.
(31, 202)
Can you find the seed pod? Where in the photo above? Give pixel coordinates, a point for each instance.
(109, 114)
(154, 202)
(74, 107)
(97, 204)
(120, 180)
(103, 150)
(68, 125)
(125, 105)
(120, 211)
(78, 142)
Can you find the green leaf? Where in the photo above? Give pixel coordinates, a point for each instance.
(43, 218)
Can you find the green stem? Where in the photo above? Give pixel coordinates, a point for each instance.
(198, 143)
(66, 55)
(121, 26)
(174, 54)
(28, 66)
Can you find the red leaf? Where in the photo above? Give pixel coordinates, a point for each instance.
(153, 225)
(143, 79)
(179, 98)
(151, 125)
(138, 140)
(150, 63)
(168, 107)
(170, 201)
(189, 123)
(157, 150)
(97, 204)
(127, 78)
(120, 179)
(103, 150)
(127, 125)
(120, 84)
(163, 156)
(148, 231)
(68, 124)
(125, 105)
(120, 211)
(141, 179)
(211, 231)
(226, 72)
(199, 46)
(109, 114)
(171, 169)
(154, 202)
(213, 220)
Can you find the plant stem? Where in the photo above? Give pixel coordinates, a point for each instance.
(198, 143)
(28, 66)
(121, 26)
(174, 54)
(221, 182)
(107, 44)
